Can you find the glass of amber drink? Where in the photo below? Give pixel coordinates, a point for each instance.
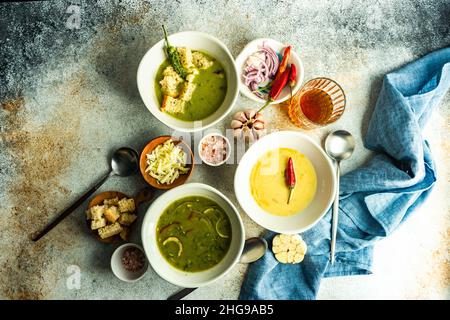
(319, 102)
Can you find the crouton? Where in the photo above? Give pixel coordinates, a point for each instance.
(111, 202)
(187, 91)
(125, 233)
(127, 218)
(127, 205)
(169, 71)
(200, 61)
(112, 214)
(172, 105)
(110, 230)
(96, 224)
(185, 57)
(97, 212)
(190, 77)
(170, 82)
(169, 87)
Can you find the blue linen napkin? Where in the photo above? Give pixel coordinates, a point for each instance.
(374, 199)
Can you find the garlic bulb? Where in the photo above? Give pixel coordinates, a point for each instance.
(248, 124)
(289, 248)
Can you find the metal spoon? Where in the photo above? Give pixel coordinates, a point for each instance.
(339, 145)
(124, 162)
(254, 249)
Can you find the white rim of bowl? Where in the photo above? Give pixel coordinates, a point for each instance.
(333, 181)
(116, 252)
(236, 78)
(228, 149)
(233, 207)
(253, 97)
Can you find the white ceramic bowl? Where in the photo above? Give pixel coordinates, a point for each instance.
(228, 149)
(118, 268)
(159, 263)
(251, 48)
(152, 60)
(326, 182)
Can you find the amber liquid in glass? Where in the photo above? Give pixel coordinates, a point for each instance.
(316, 105)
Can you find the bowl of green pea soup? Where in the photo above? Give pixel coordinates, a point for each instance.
(188, 80)
(192, 235)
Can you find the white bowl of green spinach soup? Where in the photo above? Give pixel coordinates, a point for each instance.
(188, 80)
(192, 235)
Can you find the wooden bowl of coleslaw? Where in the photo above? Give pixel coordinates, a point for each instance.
(166, 162)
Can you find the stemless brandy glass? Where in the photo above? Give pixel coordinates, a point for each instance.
(319, 102)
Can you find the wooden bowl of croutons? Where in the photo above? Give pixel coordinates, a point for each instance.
(111, 215)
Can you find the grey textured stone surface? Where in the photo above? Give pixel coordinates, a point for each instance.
(69, 97)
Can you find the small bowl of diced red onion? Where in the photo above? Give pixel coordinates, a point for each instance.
(258, 64)
(214, 149)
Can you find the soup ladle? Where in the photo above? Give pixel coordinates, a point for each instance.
(254, 249)
(339, 145)
(124, 162)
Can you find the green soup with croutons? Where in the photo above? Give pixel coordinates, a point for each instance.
(196, 97)
(193, 233)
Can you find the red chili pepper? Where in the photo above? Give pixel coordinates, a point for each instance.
(284, 61)
(277, 86)
(292, 78)
(283, 64)
(290, 177)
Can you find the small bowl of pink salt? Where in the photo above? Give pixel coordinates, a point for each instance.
(129, 262)
(214, 149)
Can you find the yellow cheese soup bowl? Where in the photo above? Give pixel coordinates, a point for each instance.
(261, 189)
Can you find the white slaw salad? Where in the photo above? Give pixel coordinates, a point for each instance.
(166, 162)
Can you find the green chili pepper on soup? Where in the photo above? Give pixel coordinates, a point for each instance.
(193, 234)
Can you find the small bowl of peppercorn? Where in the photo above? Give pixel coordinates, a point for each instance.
(128, 262)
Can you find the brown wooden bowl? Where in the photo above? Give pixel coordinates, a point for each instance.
(149, 148)
(144, 195)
